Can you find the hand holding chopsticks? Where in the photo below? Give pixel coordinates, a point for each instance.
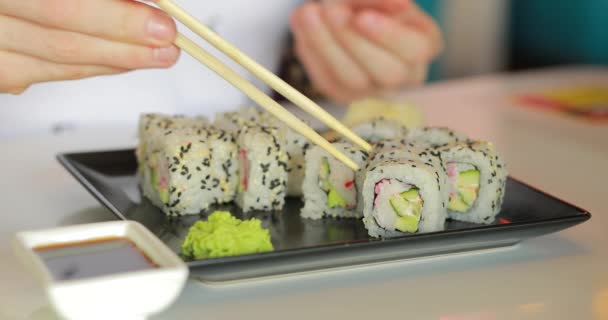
(267, 77)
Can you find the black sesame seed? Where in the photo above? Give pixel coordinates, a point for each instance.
(274, 183)
(265, 167)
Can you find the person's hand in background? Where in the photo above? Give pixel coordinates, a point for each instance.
(355, 48)
(46, 40)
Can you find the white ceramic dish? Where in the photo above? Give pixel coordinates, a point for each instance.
(128, 295)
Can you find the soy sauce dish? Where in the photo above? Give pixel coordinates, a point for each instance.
(108, 270)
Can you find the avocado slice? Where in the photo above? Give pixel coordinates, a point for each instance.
(469, 178)
(407, 224)
(467, 187)
(401, 206)
(334, 199)
(163, 193)
(408, 212)
(413, 196)
(155, 178)
(456, 204)
(468, 195)
(324, 175)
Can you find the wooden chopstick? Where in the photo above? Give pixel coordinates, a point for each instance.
(262, 73)
(260, 97)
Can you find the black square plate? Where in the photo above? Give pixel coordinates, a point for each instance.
(303, 245)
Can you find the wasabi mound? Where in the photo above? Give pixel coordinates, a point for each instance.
(223, 235)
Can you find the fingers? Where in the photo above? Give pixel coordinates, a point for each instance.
(385, 69)
(419, 73)
(19, 72)
(118, 20)
(320, 75)
(309, 27)
(408, 44)
(420, 21)
(385, 5)
(68, 47)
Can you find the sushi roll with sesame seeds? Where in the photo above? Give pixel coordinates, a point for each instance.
(380, 129)
(262, 163)
(329, 187)
(295, 144)
(296, 147)
(476, 180)
(435, 136)
(402, 191)
(234, 120)
(187, 170)
(153, 124)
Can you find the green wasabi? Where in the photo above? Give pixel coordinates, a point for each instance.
(223, 235)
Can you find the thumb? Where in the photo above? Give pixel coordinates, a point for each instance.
(389, 6)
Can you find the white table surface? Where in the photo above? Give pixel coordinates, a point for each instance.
(559, 276)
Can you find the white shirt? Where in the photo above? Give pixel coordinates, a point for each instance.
(258, 28)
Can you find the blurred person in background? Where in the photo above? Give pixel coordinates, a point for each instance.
(341, 50)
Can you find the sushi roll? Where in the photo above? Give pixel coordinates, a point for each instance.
(380, 129)
(262, 160)
(153, 124)
(187, 170)
(477, 180)
(296, 147)
(329, 187)
(233, 121)
(403, 191)
(295, 144)
(435, 136)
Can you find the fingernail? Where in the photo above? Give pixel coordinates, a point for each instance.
(159, 27)
(165, 55)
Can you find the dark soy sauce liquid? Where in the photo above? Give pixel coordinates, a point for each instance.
(99, 257)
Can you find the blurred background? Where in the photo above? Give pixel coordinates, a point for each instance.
(499, 35)
(481, 37)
